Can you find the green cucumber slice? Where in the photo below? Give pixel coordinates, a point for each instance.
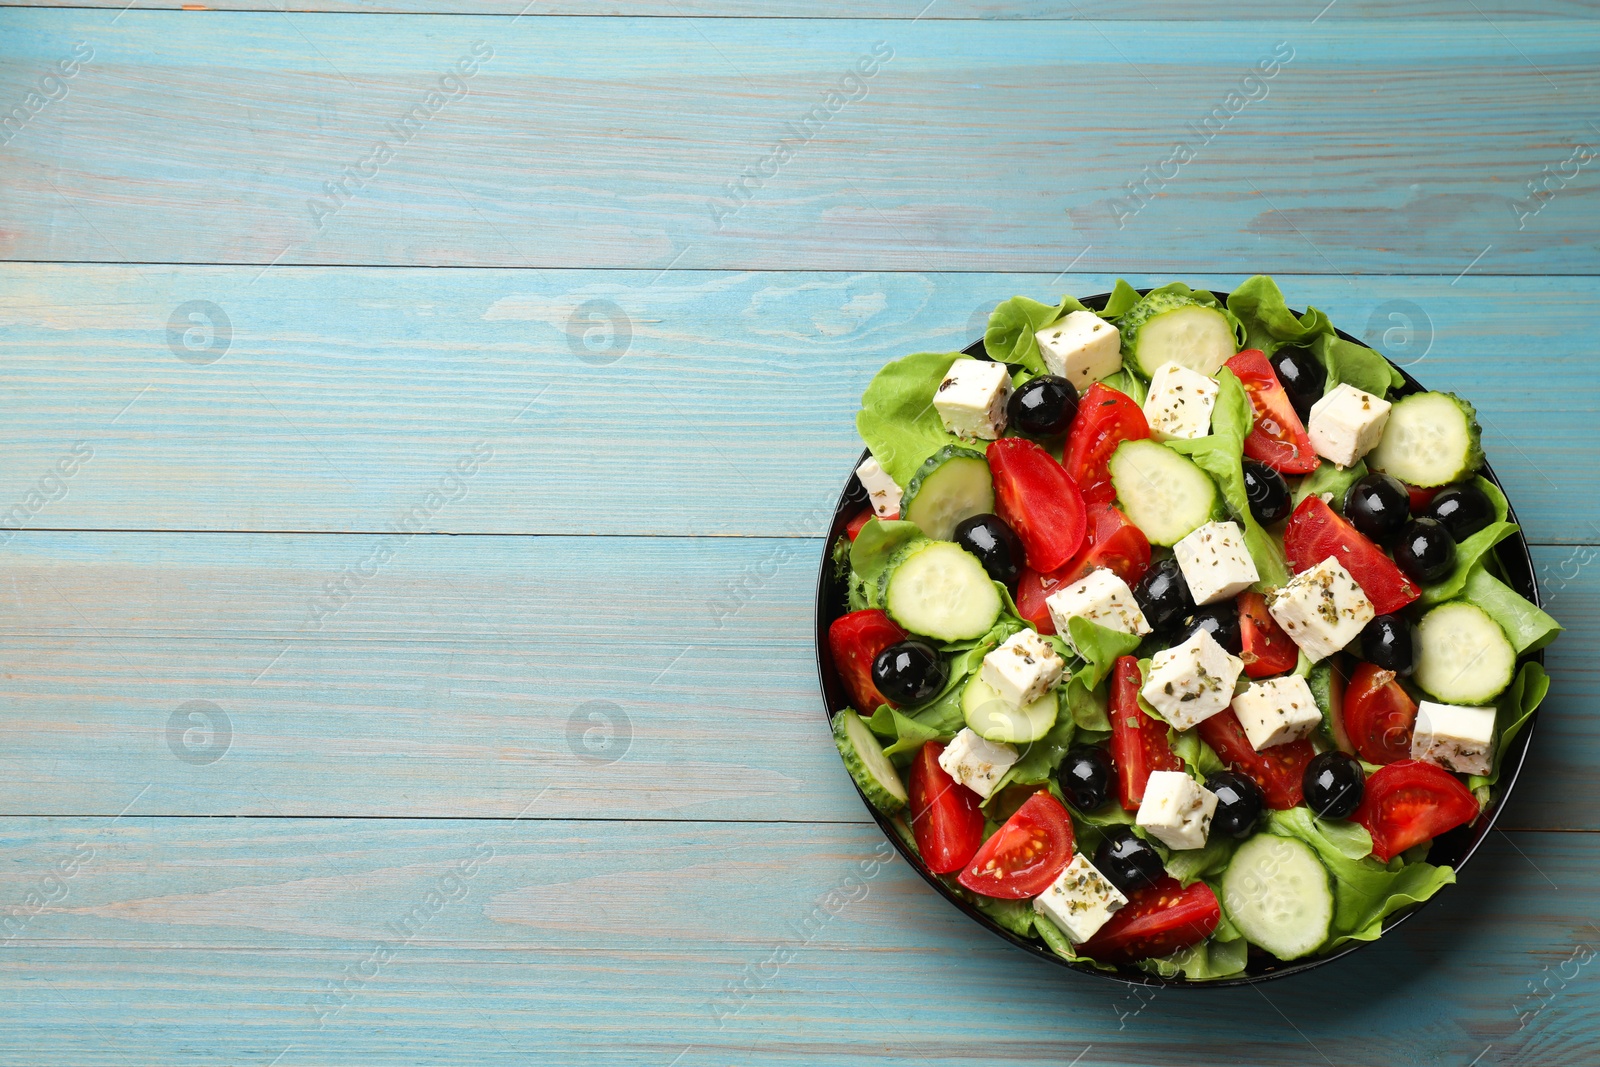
(1463, 657)
(953, 484)
(864, 759)
(1173, 328)
(994, 718)
(940, 590)
(1278, 894)
(1430, 439)
(1162, 492)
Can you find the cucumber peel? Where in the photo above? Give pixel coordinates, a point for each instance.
(864, 758)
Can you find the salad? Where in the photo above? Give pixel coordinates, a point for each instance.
(1175, 632)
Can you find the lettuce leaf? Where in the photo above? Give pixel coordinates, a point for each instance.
(1528, 627)
(1087, 707)
(1513, 710)
(1328, 478)
(1269, 325)
(907, 733)
(1099, 647)
(1012, 325)
(1472, 550)
(1215, 957)
(1039, 759)
(1192, 864)
(1061, 945)
(897, 419)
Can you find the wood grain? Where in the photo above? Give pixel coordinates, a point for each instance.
(343, 398)
(921, 10)
(1382, 147)
(204, 941)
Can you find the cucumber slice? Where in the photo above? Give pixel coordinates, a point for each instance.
(864, 759)
(953, 484)
(1430, 439)
(1278, 894)
(1463, 656)
(994, 718)
(1173, 328)
(1164, 493)
(940, 590)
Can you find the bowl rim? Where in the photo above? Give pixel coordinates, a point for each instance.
(1461, 844)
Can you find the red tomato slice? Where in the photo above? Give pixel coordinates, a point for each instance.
(1267, 649)
(1314, 532)
(945, 818)
(1026, 854)
(1111, 542)
(853, 527)
(855, 640)
(1138, 742)
(1277, 438)
(1105, 419)
(1407, 803)
(1277, 770)
(1378, 715)
(1032, 589)
(1421, 498)
(1157, 921)
(1033, 494)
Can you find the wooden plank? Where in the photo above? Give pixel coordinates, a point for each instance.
(460, 679)
(343, 398)
(621, 142)
(205, 941)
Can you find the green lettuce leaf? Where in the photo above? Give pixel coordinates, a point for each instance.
(1358, 365)
(1472, 550)
(907, 733)
(1192, 864)
(1214, 957)
(1087, 707)
(1061, 945)
(1013, 915)
(1129, 383)
(1513, 710)
(1012, 325)
(897, 419)
(1328, 478)
(1527, 626)
(1038, 760)
(1099, 648)
(1269, 325)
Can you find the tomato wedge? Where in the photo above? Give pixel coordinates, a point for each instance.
(1420, 498)
(1378, 715)
(1033, 494)
(1105, 419)
(1156, 921)
(1026, 854)
(945, 818)
(1277, 438)
(1314, 532)
(1138, 742)
(853, 527)
(1266, 650)
(1111, 542)
(1277, 770)
(855, 640)
(1407, 803)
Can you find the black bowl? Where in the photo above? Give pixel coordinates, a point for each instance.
(1453, 849)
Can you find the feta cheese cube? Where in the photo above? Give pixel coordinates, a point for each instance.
(1024, 668)
(1215, 563)
(1179, 403)
(975, 763)
(1457, 738)
(881, 489)
(1277, 711)
(972, 398)
(1082, 348)
(1346, 424)
(1191, 682)
(1322, 609)
(1176, 809)
(1080, 900)
(1102, 598)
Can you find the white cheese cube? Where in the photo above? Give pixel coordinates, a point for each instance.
(975, 763)
(1322, 609)
(972, 398)
(1215, 563)
(1277, 711)
(1179, 403)
(881, 489)
(1080, 900)
(1176, 809)
(1102, 598)
(1082, 348)
(1023, 668)
(1191, 682)
(1346, 424)
(1457, 738)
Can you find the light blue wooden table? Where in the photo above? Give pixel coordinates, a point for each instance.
(419, 418)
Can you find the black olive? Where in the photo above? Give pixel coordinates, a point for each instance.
(1425, 550)
(1462, 509)
(1333, 784)
(911, 672)
(1127, 860)
(1386, 642)
(1163, 595)
(1239, 804)
(1303, 378)
(995, 544)
(1085, 776)
(1378, 506)
(1043, 407)
(1221, 621)
(1267, 492)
